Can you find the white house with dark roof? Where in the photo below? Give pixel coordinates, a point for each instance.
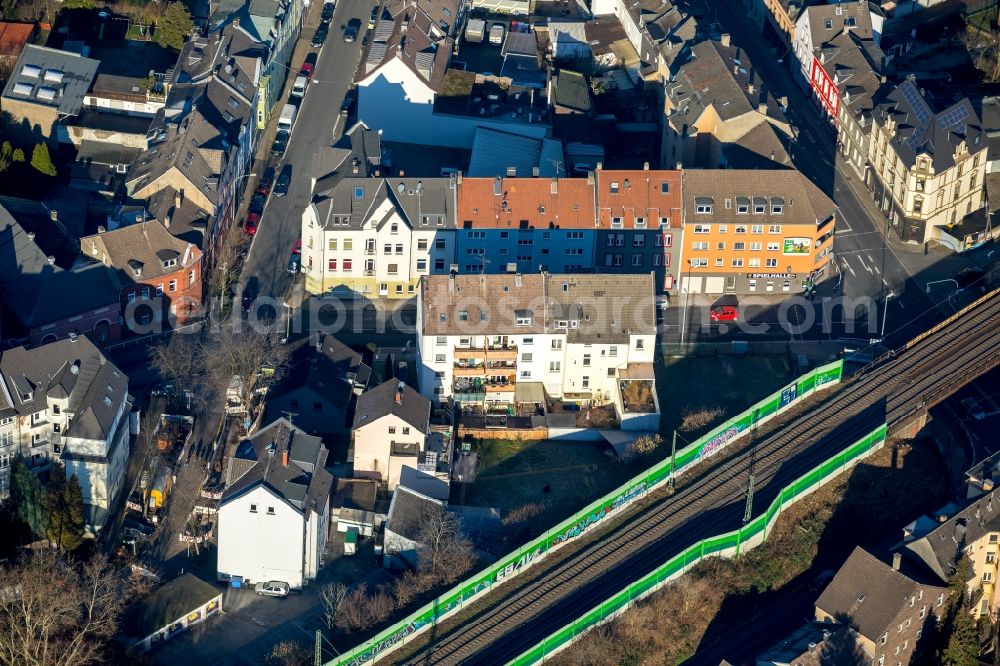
(274, 515)
(408, 511)
(391, 428)
(65, 400)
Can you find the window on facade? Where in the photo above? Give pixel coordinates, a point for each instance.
(331, 264)
(756, 228)
(737, 263)
(739, 247)
(253, 508)
(392, 430)
(393, 269)
(638, 240)
(771, 263)
(173, 285)
(828, 24)
(270, 510)
(703, 228)
(640, 343)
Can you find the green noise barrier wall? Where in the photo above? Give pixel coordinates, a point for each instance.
(728, 544)
(594, 514)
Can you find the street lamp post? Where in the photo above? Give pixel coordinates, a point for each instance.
(885, 315)
(288, 320)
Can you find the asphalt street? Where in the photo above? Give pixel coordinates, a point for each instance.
(316, 123)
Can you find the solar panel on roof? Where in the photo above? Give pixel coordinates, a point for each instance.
(954, 117)
(916, 102)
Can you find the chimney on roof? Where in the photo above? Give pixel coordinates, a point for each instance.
(511, 172)
(534, 172)
(600, 165)
(750, 88)
(645, 166)
(590, 178)
(724, 39)
(51, 260)
(31, 235)
(284, 457)
(54, 216)
(458, 178)
(167, 219)
(236, 22)
(736, 70)
(762, 107)
(678, 166)
(897, 558)
(401, 173)
(377, 173)
(882, 78)
(101, 229)
(399, 393)
(554, 186)
(783, 101)
(178, 198)
(517, 280)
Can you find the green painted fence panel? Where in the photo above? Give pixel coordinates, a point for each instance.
(579, 523)
(789, 493)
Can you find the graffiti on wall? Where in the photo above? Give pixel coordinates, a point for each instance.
(387, 642)
(519, 563)
(720, 440)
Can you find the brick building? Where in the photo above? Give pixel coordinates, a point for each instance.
(152, 264)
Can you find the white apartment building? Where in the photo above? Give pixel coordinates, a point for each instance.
(820, 24)
(64, 400)
(274, 517)
(378, 236)
(513, 338)
(927, 169)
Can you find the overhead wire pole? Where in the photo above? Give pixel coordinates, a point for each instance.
(748, 510)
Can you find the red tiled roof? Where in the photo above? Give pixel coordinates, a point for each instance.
(13, 37)
(541, 203)
(631, 194)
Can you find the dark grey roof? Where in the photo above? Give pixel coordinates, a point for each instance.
(852, 17)
(855, 66)
(494, 152)
(96, 388)
(304, 482)
(408, 510)
(140, 251)
(920, 130)
(167, 604)
(570, 90)
(868, 591)
(331, 371)
(938, 548)
(358, 494)
(396, 398)
(357, 153)
(721, 77)
(760, 148)
(53, 78)
(36, 290)
(421, 202)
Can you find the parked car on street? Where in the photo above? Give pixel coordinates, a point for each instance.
(299, 87)
(284, 180)
(372, 18)
(137, 528)
(272, 588)
(309, 66)
(345, 106)
(266, 181)
(297, 247)
(250, 293)
(257, 203)
(251, 223)
(327, 14)
(320, 37)
(280, 145)
(352, 30)
(723, 313)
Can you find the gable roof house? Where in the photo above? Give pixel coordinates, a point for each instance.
(46, 87)
(199, 150)
(34, 288)
(408, 512)
(938, 541)
(660, 31)
(14, 36)
(69, 403)
(321, 390)
(274, 514)
(888, 606)
(391, 426)
(377, 236)
(716, 98)
(151, 264)
(819, 24)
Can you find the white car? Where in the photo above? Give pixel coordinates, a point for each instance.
(272, 588)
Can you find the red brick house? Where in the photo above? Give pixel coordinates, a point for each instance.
(161, 275)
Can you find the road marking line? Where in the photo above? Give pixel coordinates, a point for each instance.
(849, 268)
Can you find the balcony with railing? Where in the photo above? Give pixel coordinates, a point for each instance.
(487, 354)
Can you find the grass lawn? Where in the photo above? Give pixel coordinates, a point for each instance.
(732, 383)
(514, 473)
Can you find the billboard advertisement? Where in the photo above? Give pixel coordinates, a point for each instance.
(796, 246)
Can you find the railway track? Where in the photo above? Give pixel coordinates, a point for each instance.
(531, 607)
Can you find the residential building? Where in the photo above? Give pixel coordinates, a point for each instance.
(14, 36)
(131, 79)
(498, 339)
(200, 153)
(854, 74)
(391, 427)
(758, 231)
(660, 31)
(638, 217)
(496, 154)
(65, 400)
(569, 96)
(815, 644)
(353, 506)
(319, 392)
(937, 541)
(817, 25)
(46, 87)
(775, 19)
(525, 224)
(714, 99)
(888, 606)
(378, 236)
(161, 274)
(36, 284)
(408, 512)
(169, 609)
(927, 169)
(274, 515)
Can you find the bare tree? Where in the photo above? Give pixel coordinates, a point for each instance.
(380, 606)
(409, 586)
(332, 596)
(255, 359)
(60, 612)
(288, 653)
(696, 419)
(444, 554)
(353, 615)
(646, 444)
(174, 359)
(225, 271)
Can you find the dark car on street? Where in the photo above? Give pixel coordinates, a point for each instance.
(320, 37)
(137, 528)
(266, 181)
(250, 292)
(352, 30)
(257, 203)
(327, 14)
(280, 144)
(284, 180)
(345, 106)
(294, 263)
